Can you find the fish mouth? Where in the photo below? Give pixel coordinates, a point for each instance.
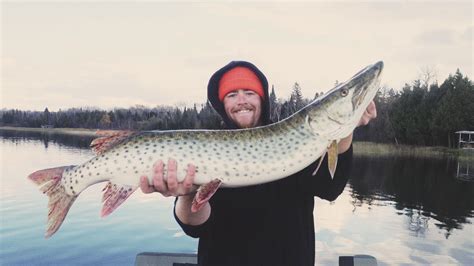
(368, 78)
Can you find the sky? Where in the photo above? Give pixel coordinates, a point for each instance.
(64, 54)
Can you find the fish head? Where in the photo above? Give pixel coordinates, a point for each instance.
(338, 112)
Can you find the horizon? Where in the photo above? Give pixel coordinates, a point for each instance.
(198, 105)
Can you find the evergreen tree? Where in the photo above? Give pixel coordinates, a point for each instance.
(455, 111)
(408, 115)
(297, 97)
(46, 117)
(274, 106)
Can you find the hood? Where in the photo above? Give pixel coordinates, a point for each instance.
(213, 92)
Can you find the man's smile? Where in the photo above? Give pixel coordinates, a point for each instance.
(246, 110)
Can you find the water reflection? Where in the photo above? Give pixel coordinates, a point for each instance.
(465, 171)
(75, 141)
(417, 222)
(419, 188)
(421, 197)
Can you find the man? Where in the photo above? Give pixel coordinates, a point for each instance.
(267, 224)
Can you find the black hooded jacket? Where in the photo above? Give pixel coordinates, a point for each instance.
(267, 224)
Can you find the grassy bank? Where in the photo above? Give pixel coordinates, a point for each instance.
(64, 131)
(378, 149)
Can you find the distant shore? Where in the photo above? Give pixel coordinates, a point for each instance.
(382, 149)
(65, 131)
(360, 147)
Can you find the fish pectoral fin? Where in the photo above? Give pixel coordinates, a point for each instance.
(114, 195)
(109, 138)
(332, 157)
(321, 159)
(204, 193)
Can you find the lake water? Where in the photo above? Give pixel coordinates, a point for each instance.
(399, 210)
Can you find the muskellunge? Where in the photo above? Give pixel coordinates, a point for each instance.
(224, 158)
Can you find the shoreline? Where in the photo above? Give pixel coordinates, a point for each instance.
(364, 148)
(361, 148)
(64, 131)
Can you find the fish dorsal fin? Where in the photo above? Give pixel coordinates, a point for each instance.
(108, 138)
(332, 158)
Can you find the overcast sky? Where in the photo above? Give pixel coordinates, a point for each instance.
(103, 54)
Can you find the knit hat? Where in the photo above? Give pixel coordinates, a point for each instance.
(239, 78)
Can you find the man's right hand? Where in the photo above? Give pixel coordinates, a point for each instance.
(169, 185)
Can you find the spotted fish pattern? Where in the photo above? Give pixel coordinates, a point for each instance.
(226, 158)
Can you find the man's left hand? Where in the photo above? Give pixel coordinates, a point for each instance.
(369, 114)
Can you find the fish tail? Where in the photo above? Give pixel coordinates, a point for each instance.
(59, 203)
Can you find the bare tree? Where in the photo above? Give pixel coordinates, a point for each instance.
(428, 75)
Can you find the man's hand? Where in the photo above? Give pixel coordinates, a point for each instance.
(169, 185)
(369, 114)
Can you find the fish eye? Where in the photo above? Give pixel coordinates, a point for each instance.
(344, 92)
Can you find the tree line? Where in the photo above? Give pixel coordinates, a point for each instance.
(421, 113)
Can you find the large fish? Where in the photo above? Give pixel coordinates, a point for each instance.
(226, 158)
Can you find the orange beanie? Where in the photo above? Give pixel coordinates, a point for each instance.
(239, 78)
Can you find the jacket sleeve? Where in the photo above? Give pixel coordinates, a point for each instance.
(194, 231)
(322, 185)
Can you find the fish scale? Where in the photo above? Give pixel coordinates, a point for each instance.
(227, 158)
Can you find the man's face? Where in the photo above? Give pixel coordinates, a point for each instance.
(243, 107)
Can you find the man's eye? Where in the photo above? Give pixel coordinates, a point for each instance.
(231, 94)
(250, 92)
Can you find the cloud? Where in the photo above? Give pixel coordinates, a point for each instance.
(436, 37)
(164, 53)
(468, 34)
(445, 37)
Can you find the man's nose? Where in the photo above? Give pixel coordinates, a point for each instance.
(241, 97)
